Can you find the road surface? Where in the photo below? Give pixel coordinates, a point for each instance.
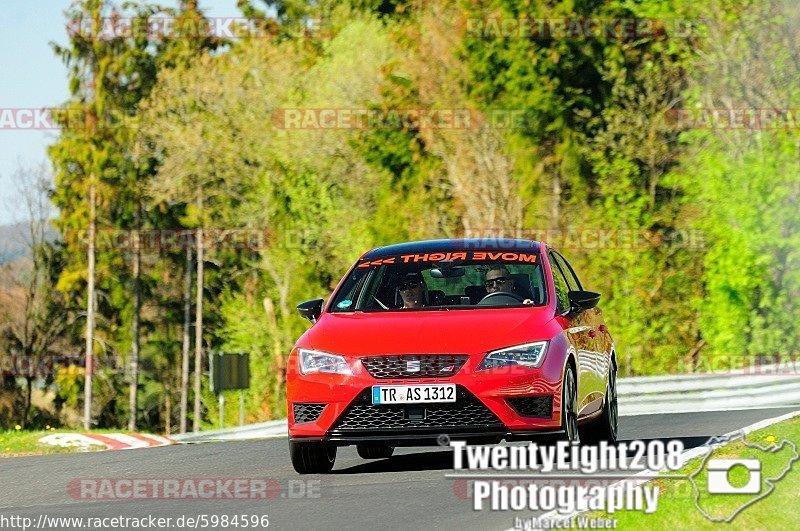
(408, 491)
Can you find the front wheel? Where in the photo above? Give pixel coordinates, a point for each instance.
(312, 457)
(569, 406)
(605, 428)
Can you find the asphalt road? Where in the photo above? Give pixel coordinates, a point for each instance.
(408, 491)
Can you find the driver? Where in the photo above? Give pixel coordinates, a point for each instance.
(498, 279)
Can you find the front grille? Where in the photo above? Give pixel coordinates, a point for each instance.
(307, 412)
(533, 406)
(466, 412)
(414, 366)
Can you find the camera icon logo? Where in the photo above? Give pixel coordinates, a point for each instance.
(719, 472)
(753, 477)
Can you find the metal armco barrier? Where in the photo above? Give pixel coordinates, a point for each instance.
(755, 387)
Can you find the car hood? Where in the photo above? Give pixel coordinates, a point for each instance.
(452, 332)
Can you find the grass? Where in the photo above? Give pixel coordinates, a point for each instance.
(676, 506)
(18, 443)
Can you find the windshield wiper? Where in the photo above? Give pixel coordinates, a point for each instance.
(379, 302)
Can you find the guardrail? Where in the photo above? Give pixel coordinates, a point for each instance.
(752, 387)
(273, 428)
(755, 387)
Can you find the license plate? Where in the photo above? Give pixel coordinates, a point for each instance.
(413, 394)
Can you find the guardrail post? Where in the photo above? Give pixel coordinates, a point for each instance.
(241, 407)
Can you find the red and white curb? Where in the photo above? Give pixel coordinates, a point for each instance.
(112, 441)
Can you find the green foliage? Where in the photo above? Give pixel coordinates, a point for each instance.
(750, 277)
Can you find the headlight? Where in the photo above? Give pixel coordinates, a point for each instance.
(312, 361)
(527, 355)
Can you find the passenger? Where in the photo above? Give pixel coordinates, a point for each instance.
(413, 291)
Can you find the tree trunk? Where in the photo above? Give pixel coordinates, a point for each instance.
(555, 207)
(187, 328)
(87, 389)
(134, 385)
(28, 389)
(168, 412)
(198, 329)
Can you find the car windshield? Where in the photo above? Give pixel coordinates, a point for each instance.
(452, 280)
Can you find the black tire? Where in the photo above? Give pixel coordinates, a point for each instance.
(605, 427)
(569, 406)
(374, 451)
(312, 458)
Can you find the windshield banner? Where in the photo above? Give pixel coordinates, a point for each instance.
(488, 256)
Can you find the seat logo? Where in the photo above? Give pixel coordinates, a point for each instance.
(413, 366)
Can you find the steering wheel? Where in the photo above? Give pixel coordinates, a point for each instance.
(499, 298)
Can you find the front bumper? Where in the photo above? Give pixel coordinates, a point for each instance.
(485, 410)
(409, 439)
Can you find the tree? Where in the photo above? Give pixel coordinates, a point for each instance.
(35, 322)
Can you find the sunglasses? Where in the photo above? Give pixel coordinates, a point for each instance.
(413, 284)
(496, 281)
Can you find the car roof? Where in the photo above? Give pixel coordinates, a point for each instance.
(450, 245)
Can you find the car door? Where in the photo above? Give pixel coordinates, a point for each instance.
(599, 362)
(580, 334)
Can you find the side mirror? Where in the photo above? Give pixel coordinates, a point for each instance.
(583, 300)
(310, 310)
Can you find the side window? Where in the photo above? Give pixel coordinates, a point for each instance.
(562, 299)
(346, 296)
(572, 279)
(368, 290)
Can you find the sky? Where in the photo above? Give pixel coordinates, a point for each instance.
(32, 77)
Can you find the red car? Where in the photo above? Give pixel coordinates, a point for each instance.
(422, 342)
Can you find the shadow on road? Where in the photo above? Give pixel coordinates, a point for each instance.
(435, 459)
